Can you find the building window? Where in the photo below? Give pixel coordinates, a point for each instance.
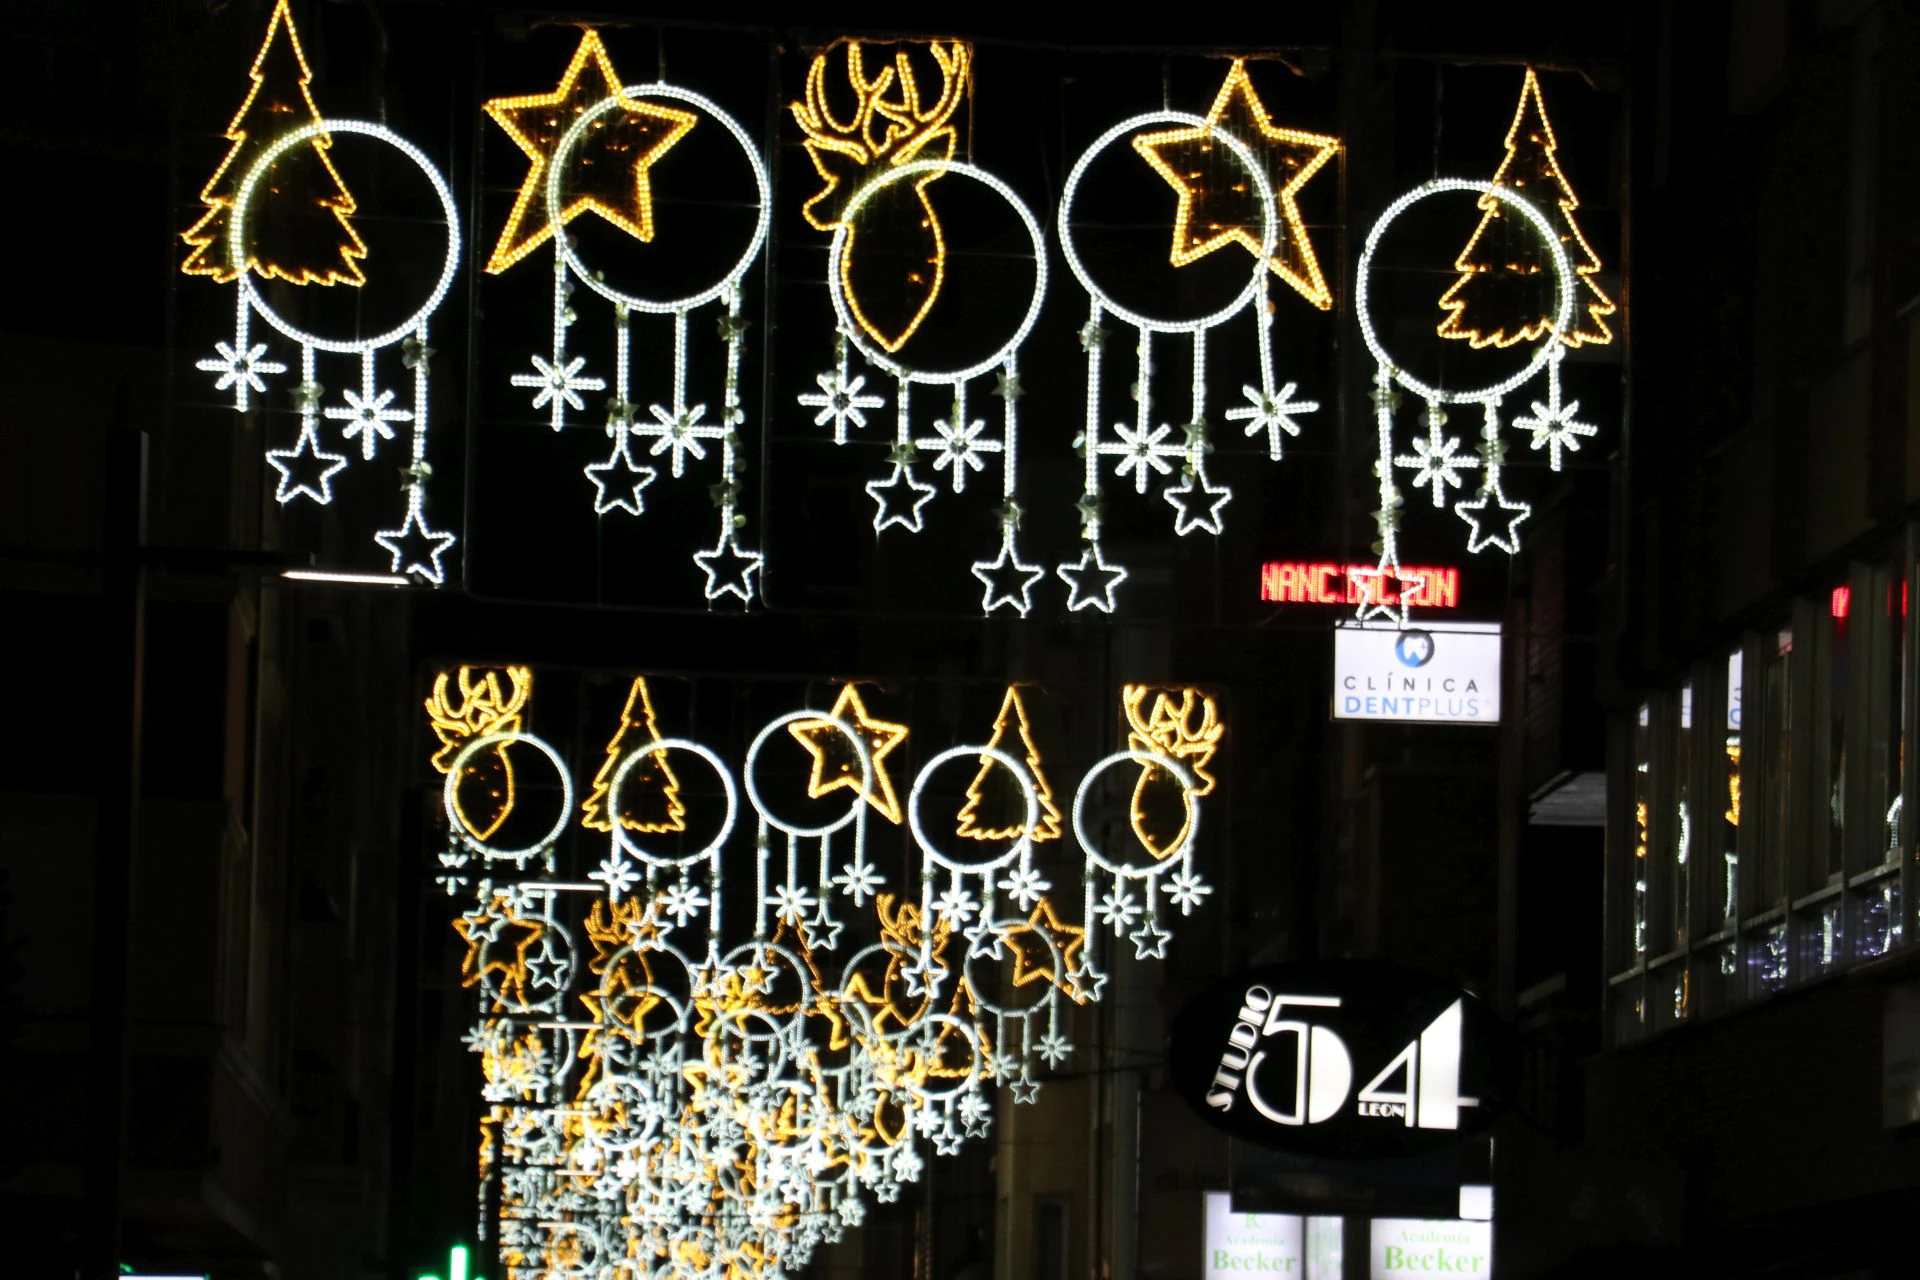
(1757, 855)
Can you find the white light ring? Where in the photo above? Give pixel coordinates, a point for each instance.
(243, 200)
(1027, 790)
(1049, 991)
(887, 177)
(571, 139)
(1563, 287)
(1269, 224)
(619, 780)
(448, 799)
(859, 751)
(682, 1009)
(926, 1092)
(1173, 857)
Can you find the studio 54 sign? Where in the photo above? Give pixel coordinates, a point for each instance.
(1347, 1058)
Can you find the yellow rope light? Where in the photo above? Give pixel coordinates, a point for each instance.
(889, 125)
(1529, 141)
(484, 706)
(638, 727)
(1210, 215)
(834, 764)
(614, 165)
(210, 255)
(1182, 724)
(1012, 718)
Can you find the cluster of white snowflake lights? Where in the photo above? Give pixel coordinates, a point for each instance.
(671, 1093)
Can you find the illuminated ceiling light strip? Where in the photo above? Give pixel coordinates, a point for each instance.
(347, 579)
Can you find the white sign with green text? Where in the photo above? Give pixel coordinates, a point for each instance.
(1422, 1249)
(1251, 1244)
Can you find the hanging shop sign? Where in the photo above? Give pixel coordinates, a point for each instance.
(1418, 1248)
(1329, 582)
(1251, 1243)
(1346, 1058)
(1437, 675)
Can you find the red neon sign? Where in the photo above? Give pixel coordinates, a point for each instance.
(1319, 582)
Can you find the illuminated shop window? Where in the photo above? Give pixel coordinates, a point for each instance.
(1642, 816)
(1730, 811)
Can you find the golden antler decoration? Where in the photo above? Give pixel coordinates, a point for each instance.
(889, 124)
(1183, 725)
(484, 706)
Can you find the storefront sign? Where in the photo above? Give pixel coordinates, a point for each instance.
(1346, 1058)
(1420, 1249)
(1442, 675)
(1251, 1244)
(1324, 582)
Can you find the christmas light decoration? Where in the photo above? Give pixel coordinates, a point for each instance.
(614, 182)
(1288, 159)
(888, 126)
(1493, 519)
(591, 143)
(279, 69)
(1169, 729)
(833, 763)
(1480, 304)
(960, 444)
(664, 1099)
(1146, 449)
(637, 729)
(371, 413)
(1012, 718)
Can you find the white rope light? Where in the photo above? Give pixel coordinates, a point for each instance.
(370, 413)
(1145, 448)
(960, 443)
(696, 1107)
(1492, 518)
(682, 429)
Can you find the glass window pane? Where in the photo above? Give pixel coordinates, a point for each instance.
(1730, 811)
(1819, 929)
(1777, 728)
(1767, 961)
(1838, 669)
(1642, 819)
(1888, 746)
(1682, 832)
(1876, 916)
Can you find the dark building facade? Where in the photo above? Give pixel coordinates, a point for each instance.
(231, 986)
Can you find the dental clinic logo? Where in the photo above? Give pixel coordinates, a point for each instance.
(1414, 648)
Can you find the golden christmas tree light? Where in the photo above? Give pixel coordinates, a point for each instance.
(273, 107)
(1485, 289)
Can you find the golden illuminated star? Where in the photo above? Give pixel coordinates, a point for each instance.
(1213, 212)
(834, 764)
(1033, 960)
(612, 164)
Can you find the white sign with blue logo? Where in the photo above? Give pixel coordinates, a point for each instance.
(1448, 673)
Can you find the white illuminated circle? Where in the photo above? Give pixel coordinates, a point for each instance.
(451, 799)
(243, 204)
(928, 1036)
(646, 752)
(859, 753)
(835, 257)
(1269, 222)
(1562, 277)
(995, 756)
(556, 198)
(1158, 761)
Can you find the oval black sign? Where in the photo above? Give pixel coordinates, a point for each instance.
(1343, 1058)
